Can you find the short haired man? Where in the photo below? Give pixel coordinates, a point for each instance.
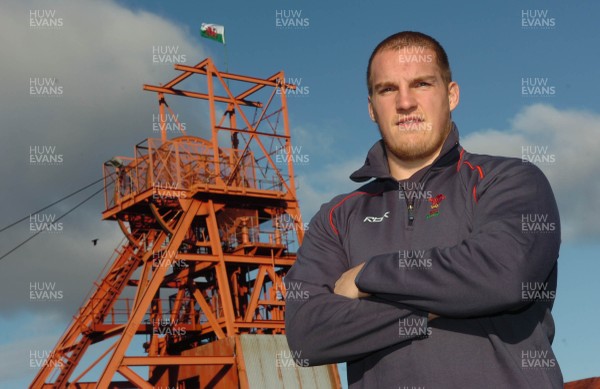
(437, 273)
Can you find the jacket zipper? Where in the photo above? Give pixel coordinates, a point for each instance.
(410, 204)
(411, 216)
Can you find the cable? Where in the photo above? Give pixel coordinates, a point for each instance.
(63, 215)
(48, 206)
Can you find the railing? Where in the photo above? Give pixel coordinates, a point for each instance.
(256, 235)
(184, 164)
(120, 312)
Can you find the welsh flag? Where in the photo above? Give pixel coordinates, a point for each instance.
(213, 31)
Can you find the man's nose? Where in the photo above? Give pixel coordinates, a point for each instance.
(405, 100)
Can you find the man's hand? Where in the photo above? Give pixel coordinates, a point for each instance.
(345, 285)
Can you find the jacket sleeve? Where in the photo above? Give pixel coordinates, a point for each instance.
(512, 248)
(322, 327)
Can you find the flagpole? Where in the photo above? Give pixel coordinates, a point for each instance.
(212, 31)
(226, 61)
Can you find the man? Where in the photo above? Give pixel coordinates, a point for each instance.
(438, 273)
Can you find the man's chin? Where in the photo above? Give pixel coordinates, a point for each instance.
(413, 152)
(412, 155)
(415, 128)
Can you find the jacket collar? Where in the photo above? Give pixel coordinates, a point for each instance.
(376, 164)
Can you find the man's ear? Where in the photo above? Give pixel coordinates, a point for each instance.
(453, 95)
(371, 112)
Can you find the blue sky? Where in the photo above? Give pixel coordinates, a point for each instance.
(103, 54)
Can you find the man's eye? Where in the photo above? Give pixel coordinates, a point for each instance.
(423, 83)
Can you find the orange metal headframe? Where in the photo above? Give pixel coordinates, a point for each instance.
(211, 228)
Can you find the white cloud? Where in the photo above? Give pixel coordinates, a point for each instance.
(101, 57)
(320, 185)
(20, 356)
(327, 172)
(572, 138)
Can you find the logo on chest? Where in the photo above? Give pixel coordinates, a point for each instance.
(435, 205)
(376, 219)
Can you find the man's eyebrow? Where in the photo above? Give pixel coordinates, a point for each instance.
(427, 77)
(383, 84)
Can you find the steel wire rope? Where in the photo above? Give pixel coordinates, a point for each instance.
(50, 205)
(59, 218)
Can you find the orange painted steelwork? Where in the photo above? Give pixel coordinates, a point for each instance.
(211, 228)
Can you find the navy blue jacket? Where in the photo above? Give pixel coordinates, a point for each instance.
(471, 238)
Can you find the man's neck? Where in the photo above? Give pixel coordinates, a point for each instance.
(402, 170)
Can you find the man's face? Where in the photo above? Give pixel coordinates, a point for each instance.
(410, 102)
